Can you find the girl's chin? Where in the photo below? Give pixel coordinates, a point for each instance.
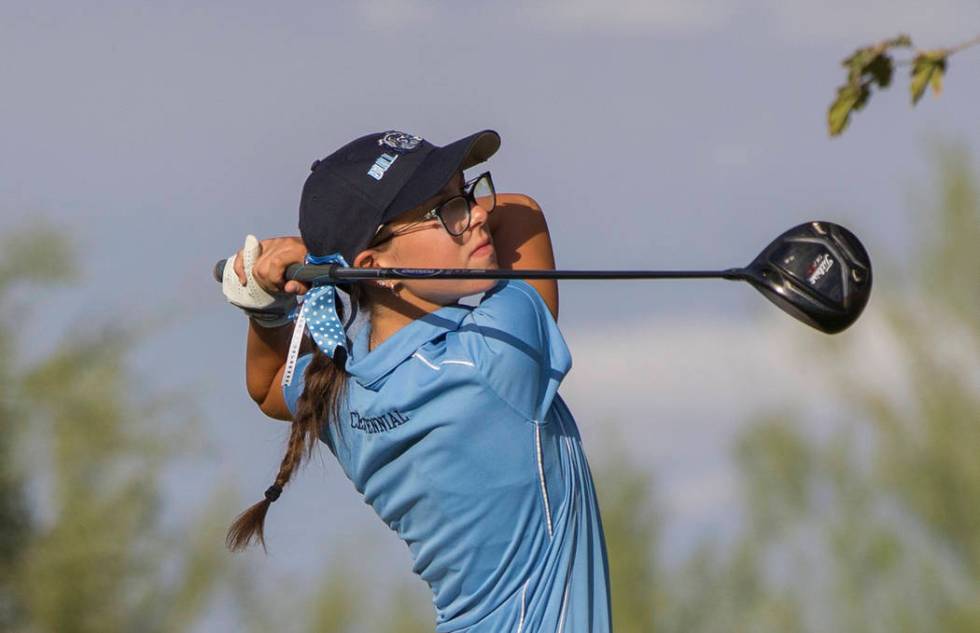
(452, 290)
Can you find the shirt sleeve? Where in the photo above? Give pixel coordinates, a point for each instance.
(294, 390)
(517, 346)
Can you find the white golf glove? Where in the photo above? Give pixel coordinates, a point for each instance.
(266, 310)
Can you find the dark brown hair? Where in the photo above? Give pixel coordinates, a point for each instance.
(319, 403)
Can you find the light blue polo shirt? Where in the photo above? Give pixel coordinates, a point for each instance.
(454, 432)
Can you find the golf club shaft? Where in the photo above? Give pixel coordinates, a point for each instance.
(333, 273)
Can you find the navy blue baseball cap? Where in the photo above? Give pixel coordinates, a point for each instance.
(375, 178)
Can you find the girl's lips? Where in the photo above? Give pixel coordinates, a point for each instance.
(484, 250)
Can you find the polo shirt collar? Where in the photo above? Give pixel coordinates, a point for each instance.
(368, 367)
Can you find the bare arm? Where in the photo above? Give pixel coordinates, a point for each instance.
(265, 358)
(266, 348)
(522, 241)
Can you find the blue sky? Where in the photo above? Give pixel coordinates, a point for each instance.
(677, 134)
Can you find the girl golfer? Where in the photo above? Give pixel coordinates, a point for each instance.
(445, 416)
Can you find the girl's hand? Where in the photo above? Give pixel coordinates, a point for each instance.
(269, 270)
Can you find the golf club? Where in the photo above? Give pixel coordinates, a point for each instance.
(817, 272)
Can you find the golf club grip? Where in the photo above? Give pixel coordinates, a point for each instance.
(292, 272)
(312, 273)
(298, 272)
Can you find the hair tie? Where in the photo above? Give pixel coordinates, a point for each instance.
(272, 492)
(318, 316)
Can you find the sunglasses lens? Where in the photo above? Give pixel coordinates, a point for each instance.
(484, 194)
(456, 215)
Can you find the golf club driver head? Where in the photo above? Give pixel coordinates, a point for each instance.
(818, 272)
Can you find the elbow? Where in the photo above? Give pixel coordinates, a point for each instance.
(271, 402)
(258, 391)
(268, 396)
(261, 383)
(276, 409)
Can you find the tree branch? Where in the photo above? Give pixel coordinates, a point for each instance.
(964, 45)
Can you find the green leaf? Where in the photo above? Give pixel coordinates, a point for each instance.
(901, 41)
(927, 68)
(866, 66)
(857, 62)
(881, 69)
(937, 82)
(874, 62)
(850, 98)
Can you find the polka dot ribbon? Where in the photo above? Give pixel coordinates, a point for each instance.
(318, 315)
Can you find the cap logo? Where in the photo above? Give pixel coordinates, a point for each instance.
(400, 141)
(381, 165)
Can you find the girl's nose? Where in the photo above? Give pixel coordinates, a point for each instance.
(478, 215)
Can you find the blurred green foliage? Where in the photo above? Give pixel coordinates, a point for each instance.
(80, 531)
(346, 602)
(84, 547)
(876, 528)
(872, 67)
(15, 520)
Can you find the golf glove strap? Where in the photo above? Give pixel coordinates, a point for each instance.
(266, 310)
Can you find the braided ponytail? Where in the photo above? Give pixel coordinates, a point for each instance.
(325, 384)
